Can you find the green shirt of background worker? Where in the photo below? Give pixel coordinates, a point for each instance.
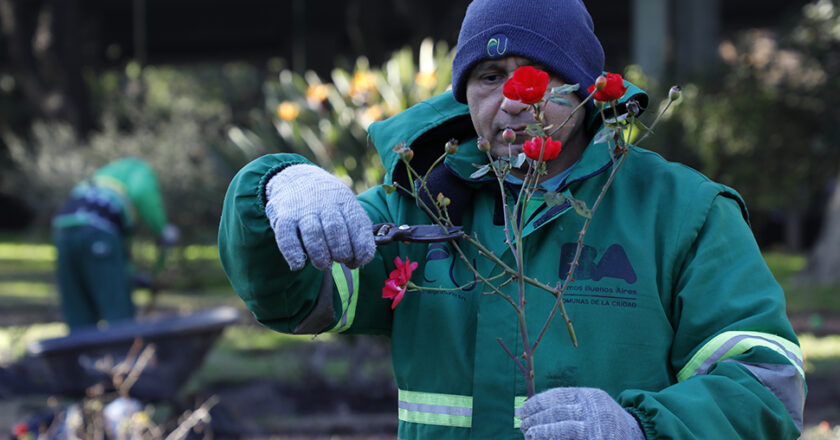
(682, 328)
(92, 233)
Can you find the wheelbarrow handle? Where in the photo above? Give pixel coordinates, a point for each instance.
(384, 233)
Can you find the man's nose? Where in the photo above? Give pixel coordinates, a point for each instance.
(512, 107)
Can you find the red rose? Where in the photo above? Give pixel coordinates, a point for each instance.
(613, 90)
(527, 85)
(532, 148)
(396, 283)
(20, 429)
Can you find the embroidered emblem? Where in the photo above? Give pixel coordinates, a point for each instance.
(497, 46)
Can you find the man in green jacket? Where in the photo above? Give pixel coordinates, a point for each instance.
(91, 232)
(681, 327)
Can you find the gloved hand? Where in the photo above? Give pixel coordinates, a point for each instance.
(142, 280)
(314, 213)
(577, 414)
(170, 235)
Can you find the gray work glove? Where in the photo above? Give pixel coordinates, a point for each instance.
(315, 214)
(170, 235)
(577, 414)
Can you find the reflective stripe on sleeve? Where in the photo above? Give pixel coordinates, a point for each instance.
(729, 344)
(347, 284)
(518, 401)
(435, 409)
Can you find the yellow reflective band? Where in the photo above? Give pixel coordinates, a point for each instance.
(435, 409)
(347, 284)
(730, 344)
(518, 401)
(110, 183)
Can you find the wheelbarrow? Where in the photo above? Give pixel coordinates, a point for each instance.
(73, 363)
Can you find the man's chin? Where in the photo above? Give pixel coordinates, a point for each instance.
(505, 150)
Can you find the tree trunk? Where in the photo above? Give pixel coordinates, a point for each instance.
(824, 261)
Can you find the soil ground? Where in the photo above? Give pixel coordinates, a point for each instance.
(316, 407)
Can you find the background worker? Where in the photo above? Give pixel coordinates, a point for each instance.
(92, 232)
(699, 346)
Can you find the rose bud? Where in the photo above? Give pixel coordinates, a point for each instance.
(451, 146)
(509, 135)
(483, 145)
(600, 82)
(633, 107)
(674, 93)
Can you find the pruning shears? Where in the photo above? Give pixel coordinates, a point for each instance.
(384, 233)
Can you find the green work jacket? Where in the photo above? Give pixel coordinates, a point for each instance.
(129, 186)
(676, 314)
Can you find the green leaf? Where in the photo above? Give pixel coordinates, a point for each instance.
(480, 172)
(389, 188)
(520, 159)
(501, 167)
(535, 130)
(604, 135)
(560, 101)
(565, 89)
(553, 199)
(580, 208)
(621, 118)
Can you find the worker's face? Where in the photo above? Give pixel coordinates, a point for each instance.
(492, 113)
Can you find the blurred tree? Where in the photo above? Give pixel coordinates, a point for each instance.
(44, 45)
(819, 33)
(170, 116)
(766, 124)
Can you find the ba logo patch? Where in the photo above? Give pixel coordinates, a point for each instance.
(497, 46)
(613, 264)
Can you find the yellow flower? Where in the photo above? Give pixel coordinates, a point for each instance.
(141, 418)
(373, 113)
(288, 111)
(317, 93)
(362, 83)
(425, 79)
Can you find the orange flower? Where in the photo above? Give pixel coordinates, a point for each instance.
(425, 79)
(317, 93)
(363, 82)
(372, 113)
(288, 111)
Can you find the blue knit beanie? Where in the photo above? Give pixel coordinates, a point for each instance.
(558, 34)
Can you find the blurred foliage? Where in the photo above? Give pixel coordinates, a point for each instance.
(15, 339)
(801, 297)
(169, 116)
(198, 125)
(767, 123)
(326, 121)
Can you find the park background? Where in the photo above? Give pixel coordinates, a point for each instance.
(201, 88)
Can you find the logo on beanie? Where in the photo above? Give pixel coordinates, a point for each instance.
(497, 45)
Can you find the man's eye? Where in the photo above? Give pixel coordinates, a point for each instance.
(491, 77)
